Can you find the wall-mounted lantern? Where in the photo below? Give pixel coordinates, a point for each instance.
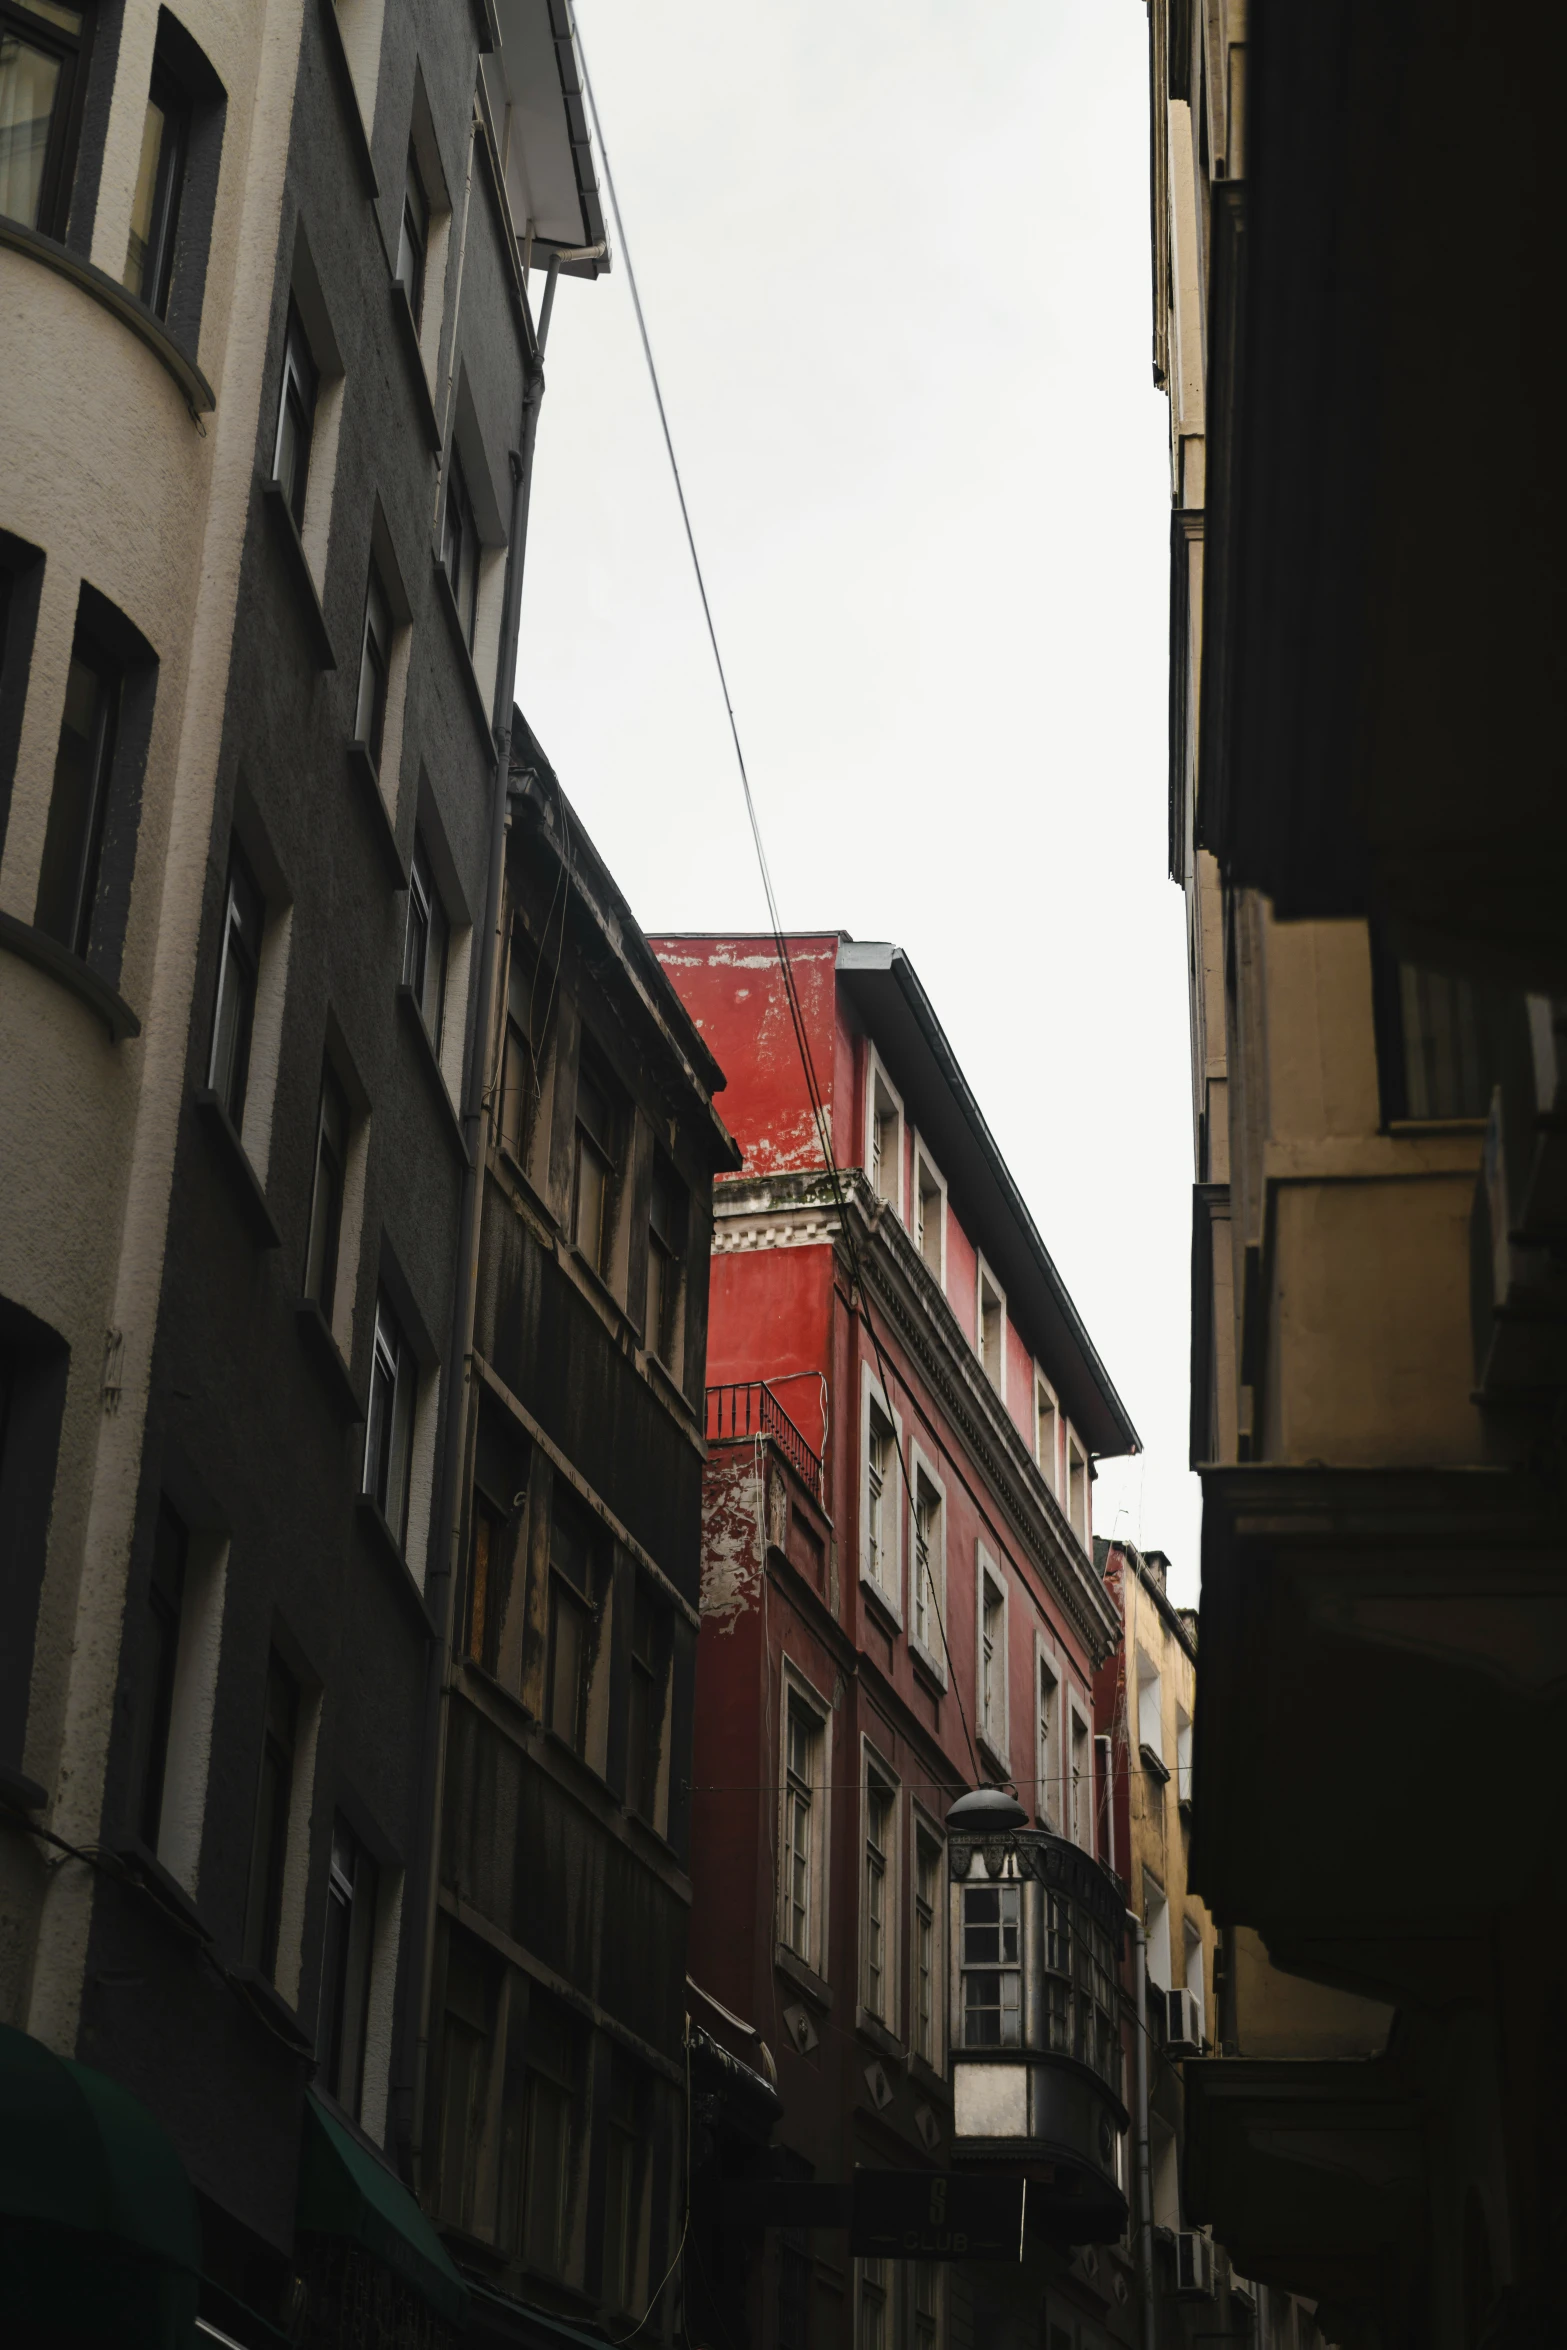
(1035, 2008)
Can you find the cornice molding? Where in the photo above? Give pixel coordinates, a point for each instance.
(799, 1211)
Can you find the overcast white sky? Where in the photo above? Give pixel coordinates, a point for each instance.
(894, 259)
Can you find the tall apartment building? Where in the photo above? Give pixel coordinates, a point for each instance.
(267, 384)
(899, 1600)
(1366, 721)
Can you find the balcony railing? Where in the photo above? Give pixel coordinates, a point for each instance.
(748, 1407)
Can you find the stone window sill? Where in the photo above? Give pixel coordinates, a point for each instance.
(143, 322)
(243, 1180)
(885, 2041)
(47, 954)
(804, 1977)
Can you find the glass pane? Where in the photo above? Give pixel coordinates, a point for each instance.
(68, 882)
(29, 84)
(56, 12)
(144, 203)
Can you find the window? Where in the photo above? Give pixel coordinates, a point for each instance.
(79, 804)
(155, 202)
(1196, 1982)
(879, 1908)
(460, 547)
(296, 416)
(794, 2289)
(644, 1712)
(465, 2054)
(1156, 1923)
(884, 1138)
(930, 1562)
(1077, 1488)
(596, 1168)
(166, 1603)
(622, 2186)
(239, 963)
(991, 1965)
(573, 1625)
(269, 1843)
(930, 1215)
(43, 45)
(1081, 1987)
(881, 1563)
(413, 243)
(1150, 1707)
(991, 1328)
(924, 2305)
(1082, 1826)
(1433, 1052)
(326, 1196)
(1183, 1755)
(801, 1836)
(666, 1250)
(482, 1633)
(875, 2313)
(1049, 1806)
(528, 1006)
(347, 1955)
(389, 1423)
(548, 2150)
(1045, 1436)
(928, 1984)
(375, 668)
(992, 1643)
(424, 947)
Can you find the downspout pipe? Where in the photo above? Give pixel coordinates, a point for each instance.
(443, 1576)
(1142, 2151)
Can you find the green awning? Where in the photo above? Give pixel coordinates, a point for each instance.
(97, 2216)
(345, 2191)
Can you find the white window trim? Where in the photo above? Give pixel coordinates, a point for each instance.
(1072, 1444)
(894, 1504)
(983, 1279)
(1050, 1790)
(919, 1156)
(1080, 1825)
(996, 1736)
(934, 1659)
(922, 1824)
(793, 1683)
(1051, 1470)
(876, 1074)
(874, 1765)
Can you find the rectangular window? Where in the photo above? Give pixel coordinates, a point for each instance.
(239, 964)
(623, 2185)
(927, 1947)
(389, 1423)
(991, 1964)
(465, 2064)
(413, 242)
(483, 1629)
(1150, 1707)
(1156, 1924)
(802, 1754)
(549, 2151)
(875, 2327)
(930, 1552)
(1433, 1053)
(878, 1899)
(596, 1167)
(79, 802)
(155, 201)
(425, 945)
(1050, 1805)
(1045, 1425)
(528, 1006)
(326, 1195)
(881, 1500)
(884, 1152)
(644, 1713)
(794, 2289)
(375, 669)
(1077, 1488)
(269, 1842)
(1082, 1783)
(992, 1658)
(573, 1624)
(347, 1956)
(665, 1256)
(930, 1215)
(460, 546)
(924, 2305)
(1183, 1756)
(296, 416)
(166, 1602)
(991, 1312)
(42, 62)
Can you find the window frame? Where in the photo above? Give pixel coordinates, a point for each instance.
(416, 244)
(874, 1405)
(800, 1698)
(57, 173)
(353, 1885)
(394, 1376)
(1009, 1896)
(301, 377)
(375, 667)
(1080, 1782)
(1050, 1806)
(610, 1155)
(460, 544)
(77, 873)
(989, 1571)
(1078, 1479)
(267, 1881)
(429, 923)
(665, 1342)
(931, 1653)
(321, 1286)
(234, 950)
(878, 1081)
(167, 93)
(1047, 1400)
(1150, 1676)
(985, 1279)
(166, 1601)
(880, 1905)
(920, 1161)
(930, 1919)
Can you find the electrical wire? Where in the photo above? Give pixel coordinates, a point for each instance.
(791, 992)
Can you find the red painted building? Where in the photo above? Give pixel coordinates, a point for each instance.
(899, 1598)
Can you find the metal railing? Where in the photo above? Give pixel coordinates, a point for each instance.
(748, 1407)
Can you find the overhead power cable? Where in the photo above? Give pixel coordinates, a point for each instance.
(791, 992)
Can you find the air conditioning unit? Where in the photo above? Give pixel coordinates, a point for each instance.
(1194, 2265)
(1183, 2023)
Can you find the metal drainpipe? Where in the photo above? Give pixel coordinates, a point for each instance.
(1140, 2125)
(465, 1301)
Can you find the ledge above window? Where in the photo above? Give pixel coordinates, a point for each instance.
(309, 595)
(197, 393)
(47, 954)
(244, 1182)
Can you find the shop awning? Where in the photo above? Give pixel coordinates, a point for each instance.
(345, 2191)
(97, 2215)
